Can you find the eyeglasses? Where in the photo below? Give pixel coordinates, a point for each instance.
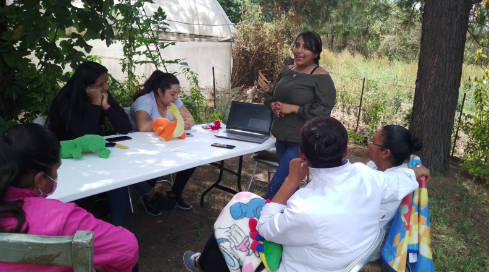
(371, 142)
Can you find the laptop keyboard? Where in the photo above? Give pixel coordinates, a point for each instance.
(256, 136)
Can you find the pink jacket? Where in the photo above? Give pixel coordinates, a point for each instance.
(114, 247)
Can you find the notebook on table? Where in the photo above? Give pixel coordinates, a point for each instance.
(248, 122)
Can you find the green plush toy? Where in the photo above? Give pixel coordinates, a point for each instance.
(92, 143)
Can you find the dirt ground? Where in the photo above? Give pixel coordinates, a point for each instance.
(164, 239)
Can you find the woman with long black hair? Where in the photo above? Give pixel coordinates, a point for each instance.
(82, 107)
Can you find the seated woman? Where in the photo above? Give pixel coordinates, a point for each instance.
(29, 161)
(151, 102)
(389, 151)
(82, 107)
(335, 218)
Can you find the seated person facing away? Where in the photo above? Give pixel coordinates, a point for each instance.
(29, 161)
(389, 151)
(335, 218)
(81, 107)
(152, 101)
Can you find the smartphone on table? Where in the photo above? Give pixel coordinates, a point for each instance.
(223, 145)
(118, 139)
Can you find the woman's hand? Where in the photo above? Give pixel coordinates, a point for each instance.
(421, 171)
(105, 100)
(275, 107)
(298, 170)
(285, 109)
(188, 122)
(95, 95)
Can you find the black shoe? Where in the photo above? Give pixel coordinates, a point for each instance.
(149, 207)
(164, 204)
(181, 203)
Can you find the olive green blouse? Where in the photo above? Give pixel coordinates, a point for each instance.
(314, 94)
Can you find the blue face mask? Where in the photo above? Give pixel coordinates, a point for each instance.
(55, 185)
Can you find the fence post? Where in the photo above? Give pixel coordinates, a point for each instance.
(458, 125)
(214, 86)
(360, 107)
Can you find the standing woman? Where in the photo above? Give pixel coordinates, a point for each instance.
(151, 101)
(302, 92)
(81, 107)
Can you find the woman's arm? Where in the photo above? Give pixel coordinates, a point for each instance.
(324, 99)
(117, 116)
(115, 248)
(86, 124)
(187, 117)
(269, 95)
(143, 123)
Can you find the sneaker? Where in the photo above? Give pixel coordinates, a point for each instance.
(164, 204)
(149, 207)
(181, 203)
(190, 259)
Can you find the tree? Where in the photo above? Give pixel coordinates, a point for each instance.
(443, 37)
(31, 29)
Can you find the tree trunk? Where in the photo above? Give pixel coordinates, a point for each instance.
(443, 37)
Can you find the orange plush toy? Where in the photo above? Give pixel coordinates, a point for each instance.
(170, 129)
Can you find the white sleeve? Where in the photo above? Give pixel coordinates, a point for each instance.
(396, 185)
(178, 103)
(144, 103)
(287, 225)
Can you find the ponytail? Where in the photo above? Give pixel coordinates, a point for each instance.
(25, 150)
(400, 142)
(158, 79)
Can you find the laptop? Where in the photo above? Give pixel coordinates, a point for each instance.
(248, 122)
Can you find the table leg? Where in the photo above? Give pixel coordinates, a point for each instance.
(221, 171)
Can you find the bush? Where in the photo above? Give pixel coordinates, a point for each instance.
(261, 45)
(476, 158)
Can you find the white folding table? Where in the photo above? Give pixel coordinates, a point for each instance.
(148, 157)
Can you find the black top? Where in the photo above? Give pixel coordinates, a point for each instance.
(93, 122)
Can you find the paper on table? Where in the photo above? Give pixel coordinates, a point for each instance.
(190, 130)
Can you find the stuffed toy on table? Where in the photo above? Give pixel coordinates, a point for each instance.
(170, 129)
(91, 143)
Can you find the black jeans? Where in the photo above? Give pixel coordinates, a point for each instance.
(211, 258)
(180, 181)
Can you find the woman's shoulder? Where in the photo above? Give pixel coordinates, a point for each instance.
(320, 71)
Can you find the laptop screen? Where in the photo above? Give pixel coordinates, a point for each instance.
(250, 117)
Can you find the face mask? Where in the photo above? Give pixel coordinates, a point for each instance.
(55, 185)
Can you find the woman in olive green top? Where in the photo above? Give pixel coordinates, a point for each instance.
(302, 92)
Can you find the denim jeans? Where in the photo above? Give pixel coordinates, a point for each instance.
(118, 201)
(286, 152)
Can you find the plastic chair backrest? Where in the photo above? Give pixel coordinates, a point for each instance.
(73, 250)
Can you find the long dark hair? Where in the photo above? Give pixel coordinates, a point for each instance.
(25, 150)
(313, 42)
(72, 100)
(324, 141)
(158, 79)
(400, 142)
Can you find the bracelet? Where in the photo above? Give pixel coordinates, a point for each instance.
(106, 108)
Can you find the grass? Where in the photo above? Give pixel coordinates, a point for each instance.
(459, 224)
(388, 93)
